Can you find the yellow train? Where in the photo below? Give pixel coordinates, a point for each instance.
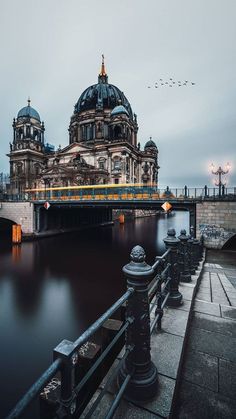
(95, 192)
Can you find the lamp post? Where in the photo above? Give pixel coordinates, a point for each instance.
(220, 172)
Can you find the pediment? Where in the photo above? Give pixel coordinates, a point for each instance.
(56, 170)
(75, 148)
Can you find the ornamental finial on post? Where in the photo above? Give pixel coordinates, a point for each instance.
(137, 254)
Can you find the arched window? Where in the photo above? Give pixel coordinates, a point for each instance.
(36, 169)
(19, 168)
(117, 163)
(36, 135)
(93, 131)
(117, 131)
(102, 163)
(105, 131)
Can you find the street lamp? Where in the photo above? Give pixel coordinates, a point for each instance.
(220, 172)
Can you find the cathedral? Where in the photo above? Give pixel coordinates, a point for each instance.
(102, 149)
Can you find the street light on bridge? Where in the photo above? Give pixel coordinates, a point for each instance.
(220, 172)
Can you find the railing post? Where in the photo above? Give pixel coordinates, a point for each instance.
(186, 191)
(185, 275)
(66, 351)
(144, 380)
(201, 246)
(196, 252)
(172, 243)
(191, 255)
(223, 190)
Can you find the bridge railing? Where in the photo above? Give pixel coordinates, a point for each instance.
(149, 289)
(125, 194)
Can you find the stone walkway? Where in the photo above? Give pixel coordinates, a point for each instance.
(205, 388)
(208, 384)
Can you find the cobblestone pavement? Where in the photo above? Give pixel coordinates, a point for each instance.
(208, 383)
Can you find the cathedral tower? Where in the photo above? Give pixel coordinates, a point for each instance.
(26, 150)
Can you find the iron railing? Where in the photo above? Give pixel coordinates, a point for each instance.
(149, 288)
(125, 194)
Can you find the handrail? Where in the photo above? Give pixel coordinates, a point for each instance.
(97, 324)
(161, 258)
(102, 356)
(109, 381)
(35, 389)
(123, 192)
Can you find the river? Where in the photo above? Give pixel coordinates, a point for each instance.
(54, 288)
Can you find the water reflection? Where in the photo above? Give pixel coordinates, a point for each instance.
(52, 289)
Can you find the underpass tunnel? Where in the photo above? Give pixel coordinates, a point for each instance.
(6, 228)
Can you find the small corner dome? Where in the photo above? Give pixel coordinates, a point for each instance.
(118, 110)
(150, 144)
(28, 112)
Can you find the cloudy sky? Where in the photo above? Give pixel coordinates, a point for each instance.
(51, 51)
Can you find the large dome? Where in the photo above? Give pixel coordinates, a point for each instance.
(102, 96)
(28, 112)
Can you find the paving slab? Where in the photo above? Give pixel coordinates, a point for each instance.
(204, 296)
(227, 378)
(162, 344)
(228, 312)
(207, 308)
(175, 322)
(162, 403)
(232, 301)
(219, 298)
(201, 369)
(205, 284)
(213, 343)
(125, 409)
(199, 403)
(232, 279)
(214, 324)
(186, 291)
(185, 306)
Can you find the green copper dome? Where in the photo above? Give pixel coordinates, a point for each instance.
(28, 112)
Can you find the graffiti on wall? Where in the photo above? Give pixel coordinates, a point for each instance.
(212, 231)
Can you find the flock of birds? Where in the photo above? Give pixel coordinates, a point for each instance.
(171, 83)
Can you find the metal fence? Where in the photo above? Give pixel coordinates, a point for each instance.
(149, 289)
(127, 194)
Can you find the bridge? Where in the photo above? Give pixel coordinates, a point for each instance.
(69, 208)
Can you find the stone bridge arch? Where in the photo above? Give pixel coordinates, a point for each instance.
(6, 224)
(18, 213)
(230, 243)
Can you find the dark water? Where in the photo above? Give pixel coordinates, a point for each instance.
(54, 288)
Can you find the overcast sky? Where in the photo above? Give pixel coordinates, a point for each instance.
(51, 51)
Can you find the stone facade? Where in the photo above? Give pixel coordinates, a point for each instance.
(102, 148)
(20, 213)
(217, 222)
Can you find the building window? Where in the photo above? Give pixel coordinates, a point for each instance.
(116, 181)
(117, 163)
(101, 163)
(36, 169)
